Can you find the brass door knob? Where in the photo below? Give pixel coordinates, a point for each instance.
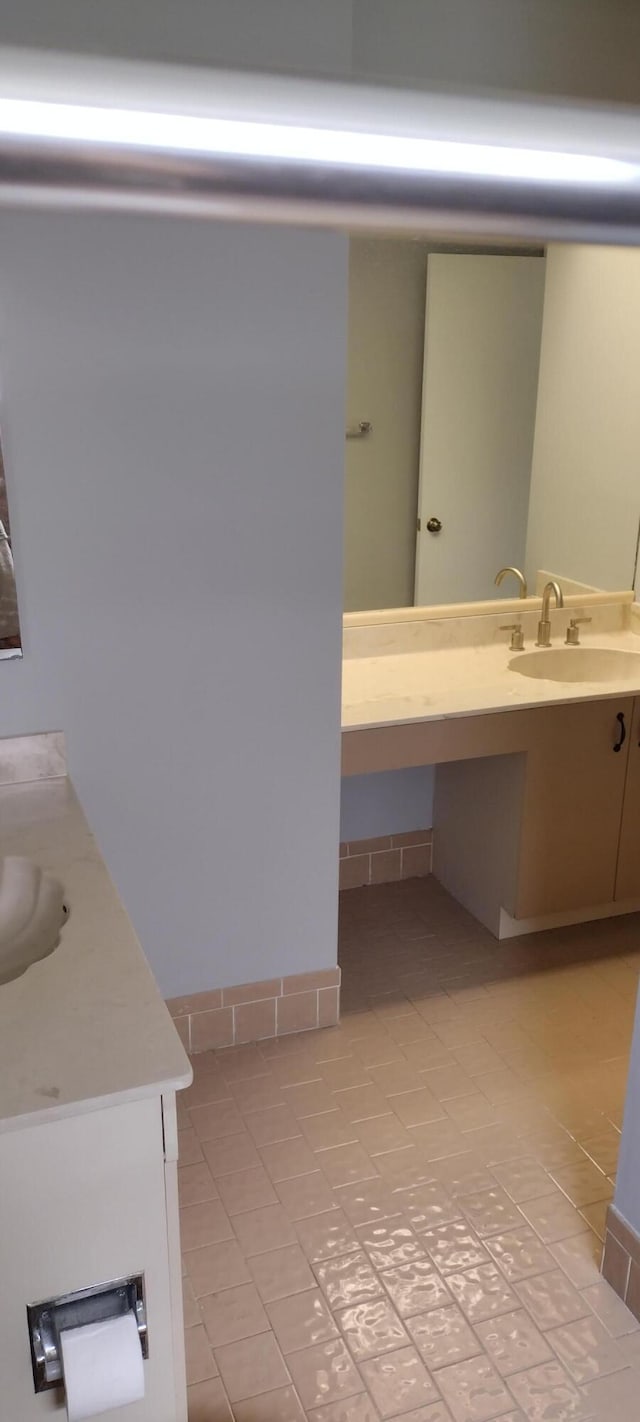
(434, 525)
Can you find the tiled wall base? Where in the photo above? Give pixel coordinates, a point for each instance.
(621, 1261)
(253, 1011)
(380, 861)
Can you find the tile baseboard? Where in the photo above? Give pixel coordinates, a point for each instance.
(621, 1260)
(386, 859)
(251, 1012)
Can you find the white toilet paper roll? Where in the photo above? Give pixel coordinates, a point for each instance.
(102, 1366)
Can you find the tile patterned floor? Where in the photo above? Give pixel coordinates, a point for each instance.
(401, 1217)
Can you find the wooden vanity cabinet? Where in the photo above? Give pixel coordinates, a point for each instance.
(575, 788)
(552, 830)
(628, 873)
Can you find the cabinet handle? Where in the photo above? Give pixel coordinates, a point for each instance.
(623, 732)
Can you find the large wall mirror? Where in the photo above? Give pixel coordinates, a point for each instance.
(493, 419)
(10, 643)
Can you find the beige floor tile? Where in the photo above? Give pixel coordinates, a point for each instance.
(208, 1402)
(520, 1253)
(359, 1408)
(579, 1258)
(398, 1382)
(307, 1194)
(325, 1373)
(261, 1230)
(222, 1118)
(368, 1201)
(547, 1391)
(346, 1165)
(233, 1314)
(417, 1108)
(201, 1363)
(328, 1130)
(523, 1179)
(281, 1405)
(345, 1072)
(252, 1366)
(415, 1288)
(551, 1299)
(383, 1134)
(513, 1343)
(583, 1184)
(311, 1098)
(229, 1154)
(482, 1293)
(371, 1328)
(463, 1082)
(196, 1184)
(189, 1147)
(553, 1217)
(281, 1272)
(362, 1103)
(611, 1311)
(474, 1391)
(189, 1304)
(391, 1242)
(301, 1321)
(348, 1279)
(246, 1190)
(443, 1336)
(207, 1223)
(327, 1236)
(219, 1266)
(491, 1212)
(285, 1159)
(256, 1094)
(604, 1150)
(426, 1206)
(446, 1082)
(454, 1247)
(586, 1349)
(276, 1124)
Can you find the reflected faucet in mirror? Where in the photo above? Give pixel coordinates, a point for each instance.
(544, 626)
(517, 574)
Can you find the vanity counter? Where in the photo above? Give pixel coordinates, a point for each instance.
(419, 672)
(86, 1027)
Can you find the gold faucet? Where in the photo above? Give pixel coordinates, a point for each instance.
(544, 626)
(517, 574)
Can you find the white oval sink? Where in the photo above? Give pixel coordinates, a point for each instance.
(32, 912)
(568, 664)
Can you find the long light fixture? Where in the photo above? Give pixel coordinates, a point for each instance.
(88, 133)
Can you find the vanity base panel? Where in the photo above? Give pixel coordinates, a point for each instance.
(476, 816)
(509, 927)
(85, 1200)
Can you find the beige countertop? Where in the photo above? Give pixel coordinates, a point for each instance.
(86, 1027)
(436, 669)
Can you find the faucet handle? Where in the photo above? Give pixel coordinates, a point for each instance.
(572, 638)
(517, 635)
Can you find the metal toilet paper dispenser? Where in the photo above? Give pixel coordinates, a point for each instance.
(47, 1321)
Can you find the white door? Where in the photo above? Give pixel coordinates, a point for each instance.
(481, 353)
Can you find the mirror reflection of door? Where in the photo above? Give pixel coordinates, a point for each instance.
(483, 325)
(9, 625)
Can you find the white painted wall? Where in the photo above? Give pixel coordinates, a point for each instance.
(267, 34)
(173, 398)
(388, 802)
(585, 487)
(586, 48)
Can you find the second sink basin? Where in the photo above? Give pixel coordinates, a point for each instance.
(569, 664)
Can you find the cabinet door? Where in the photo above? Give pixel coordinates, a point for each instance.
(574, 792)
(628, 876)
